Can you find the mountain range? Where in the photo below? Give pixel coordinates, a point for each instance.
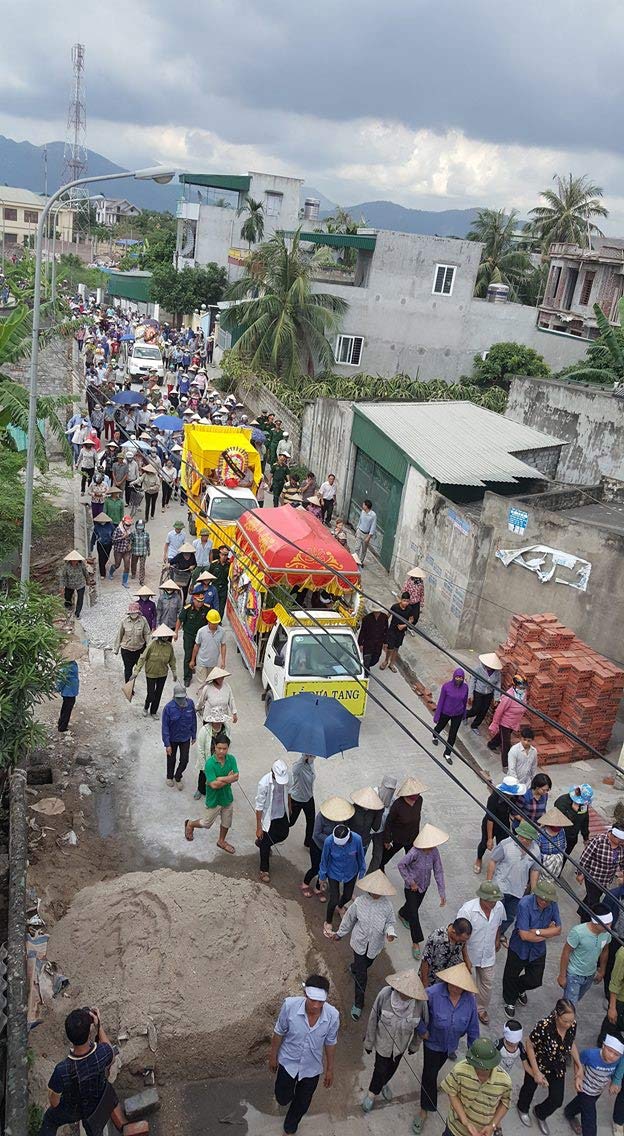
(23, 165)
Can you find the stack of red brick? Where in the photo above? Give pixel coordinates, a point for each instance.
(567, 680)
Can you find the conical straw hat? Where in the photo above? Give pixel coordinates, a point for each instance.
(377, 883)
(217, 672)
(411, 787)
(337, 809)
(186, 547)
(367, 798)
(204, 576)
(73, 555)
(492, 661)
(144, 591)
(417, 574)
(169, 586)
(553, 818)
(430, 837)
(458, 976)
(162, 632)
(408, 983)
(101, 519)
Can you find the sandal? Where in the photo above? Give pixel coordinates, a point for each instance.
(392, 668)
(484, 1018)
(225, 847)
(320, 895)
(477, 869)
(305, 890)
(415, 952)
(186, 830)
(265, 878)
(418, 1124)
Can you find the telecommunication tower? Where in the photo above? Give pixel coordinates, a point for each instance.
(75, 151)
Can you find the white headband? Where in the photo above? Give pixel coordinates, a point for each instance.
(614, 1043)
(316, 993)
(341, 839)
(605, 919)
(618, 832)
(512, 1035)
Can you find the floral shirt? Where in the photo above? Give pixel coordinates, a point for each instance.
(440, 953)
(551, 1050)
(416, 589)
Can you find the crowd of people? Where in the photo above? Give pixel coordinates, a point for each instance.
(445, 997)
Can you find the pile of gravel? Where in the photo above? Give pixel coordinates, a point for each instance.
(101, 622)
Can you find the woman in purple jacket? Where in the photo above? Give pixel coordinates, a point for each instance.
(451, 710)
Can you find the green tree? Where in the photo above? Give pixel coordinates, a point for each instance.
(12, 467)
(15, 338)
(31, 667)
(503, 360)
(72, 270)
(566, 215)
(501, 261)
(285, 324)
(342, 223)
(182, 292)
(604, 362)
(252, 229)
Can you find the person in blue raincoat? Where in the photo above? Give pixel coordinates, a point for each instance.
(342, 863)
(68, 684)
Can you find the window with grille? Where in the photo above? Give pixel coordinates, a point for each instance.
(273, 204)
(31, 216)
(586, 287)
(443, 279)
(10, 214)
(349, 350)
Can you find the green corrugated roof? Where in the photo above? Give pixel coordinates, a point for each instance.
(340, 240)
(234, 182)
(130, 286)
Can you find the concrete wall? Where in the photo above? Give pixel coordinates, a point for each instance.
(257, 398)
(261, 184)
(216, 231)
(326, 445)
(596, 615)
(54, 371)
(406, 328)
(592, 421)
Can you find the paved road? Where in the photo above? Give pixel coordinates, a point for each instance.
(154, 815)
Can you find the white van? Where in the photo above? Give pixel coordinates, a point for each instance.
(145, 359)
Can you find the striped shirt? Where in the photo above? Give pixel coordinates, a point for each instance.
(480, 1099)
(596, 1072)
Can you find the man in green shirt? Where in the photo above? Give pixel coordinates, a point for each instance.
(479, 1091)
(221, 772)
(279, 474)
(191, 618)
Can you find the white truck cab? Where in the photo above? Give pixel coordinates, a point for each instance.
(301, 655)
(145, 359)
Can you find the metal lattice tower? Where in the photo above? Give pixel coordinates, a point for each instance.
(75, 152)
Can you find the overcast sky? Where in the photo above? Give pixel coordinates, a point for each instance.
(432, 103)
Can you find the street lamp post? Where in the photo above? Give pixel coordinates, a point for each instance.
(162, 176)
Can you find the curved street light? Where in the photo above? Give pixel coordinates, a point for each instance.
(162, 176)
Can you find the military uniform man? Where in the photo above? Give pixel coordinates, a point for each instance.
(220, 569)
(191, 618)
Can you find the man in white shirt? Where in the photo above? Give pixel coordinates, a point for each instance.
(203, 550)
(485, 913)
(327, 494)
(272, 825)
(522, 757)
(175, 540)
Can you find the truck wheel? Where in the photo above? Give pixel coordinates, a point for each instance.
(191, 524)
(268, 701)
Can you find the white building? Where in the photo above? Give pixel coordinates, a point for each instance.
(209, 227)
(110, 211)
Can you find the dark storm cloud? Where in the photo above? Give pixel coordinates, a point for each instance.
(546, 73)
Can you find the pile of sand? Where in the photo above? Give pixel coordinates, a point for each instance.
(208, 959)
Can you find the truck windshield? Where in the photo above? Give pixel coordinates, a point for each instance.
(142, 351)
(230, 508)
(309, 656)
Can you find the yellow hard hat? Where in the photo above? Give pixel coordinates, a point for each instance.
(213, 616)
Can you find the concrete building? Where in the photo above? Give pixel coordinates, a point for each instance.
(589, 419)
(20, 210)
(209, 227)
(110, 211)
(579, 278)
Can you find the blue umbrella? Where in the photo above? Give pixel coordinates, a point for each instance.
(167, 422)
(313, 723)
(128, 397)
(257, 436)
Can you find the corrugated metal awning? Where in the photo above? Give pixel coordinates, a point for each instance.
(458, 443)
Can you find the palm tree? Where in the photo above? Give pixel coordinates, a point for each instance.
(252, 229)
(285, 324)
(342, 222)
(501, 262)
(605, 355)
(565, 218)
(15, 340)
